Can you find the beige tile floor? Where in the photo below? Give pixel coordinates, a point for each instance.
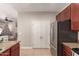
(35, 52)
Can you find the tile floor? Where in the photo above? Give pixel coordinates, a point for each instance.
(35, 52)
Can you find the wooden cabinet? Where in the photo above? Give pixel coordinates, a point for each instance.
(67, 51)
(12, 51)
(75, 16)
(75, 25)
(64, 15)
(70, 13)
(5, 53)
(75, 11)
(15, 50)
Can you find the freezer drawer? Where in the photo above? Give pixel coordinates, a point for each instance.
(53, 50)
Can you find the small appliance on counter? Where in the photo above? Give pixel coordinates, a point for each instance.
(3, 38)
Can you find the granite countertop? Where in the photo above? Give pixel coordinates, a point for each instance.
(6, 45)
(71, 45)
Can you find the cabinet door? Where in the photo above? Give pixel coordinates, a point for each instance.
(67, 51)
(15, 50)
(75, 16)
(75, 11)
(62, 16)
(75, 25)
(5, 53)
(66, 13)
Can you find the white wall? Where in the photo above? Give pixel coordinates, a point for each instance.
(7, 10)
(24, 25)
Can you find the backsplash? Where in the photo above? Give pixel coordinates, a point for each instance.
(66, 33)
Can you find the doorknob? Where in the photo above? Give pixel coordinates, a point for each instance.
(41, 37)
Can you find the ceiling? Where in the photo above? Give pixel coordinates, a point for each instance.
(38, 7)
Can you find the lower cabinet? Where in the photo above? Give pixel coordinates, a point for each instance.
(5, 53)
(13, 51)
(67, 51)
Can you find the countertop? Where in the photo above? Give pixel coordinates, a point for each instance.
(71, 45)
(6, 45)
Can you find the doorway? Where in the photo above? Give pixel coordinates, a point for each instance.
(40, 33)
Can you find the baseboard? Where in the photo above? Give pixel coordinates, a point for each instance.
(26, 47)
(32, 48)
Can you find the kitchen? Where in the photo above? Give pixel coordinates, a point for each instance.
(38, 30)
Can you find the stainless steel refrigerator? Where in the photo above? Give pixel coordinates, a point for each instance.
(61, 32)
(53, 38)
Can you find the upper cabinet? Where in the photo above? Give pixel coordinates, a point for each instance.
(75, 16)
(64, 15)
(58, 17)
(70, 13)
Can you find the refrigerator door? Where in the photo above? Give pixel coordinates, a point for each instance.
(53, 39)
(53, 34)
(53, 50)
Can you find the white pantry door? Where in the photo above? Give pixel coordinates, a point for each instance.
(40, 33)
